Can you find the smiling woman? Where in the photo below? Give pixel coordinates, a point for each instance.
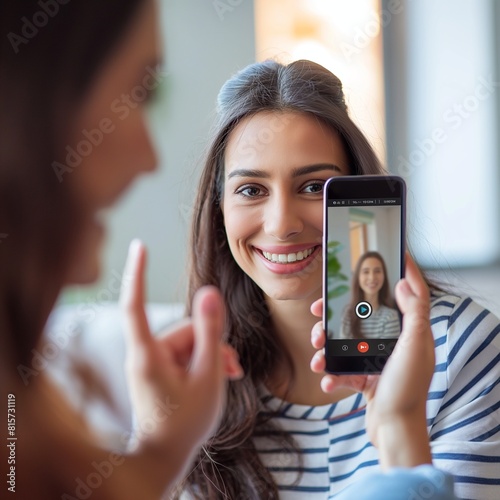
(281, 131)
(370, 284)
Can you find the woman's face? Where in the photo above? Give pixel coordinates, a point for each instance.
(371, 276)
(276, 164)
(111, 138)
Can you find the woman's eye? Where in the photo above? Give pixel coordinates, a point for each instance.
(314, 187)
(249, 191)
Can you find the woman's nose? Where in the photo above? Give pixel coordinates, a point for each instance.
(282, 218)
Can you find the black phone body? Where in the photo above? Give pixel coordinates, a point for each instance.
(363, 259)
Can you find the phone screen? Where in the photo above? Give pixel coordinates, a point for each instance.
(363, 260)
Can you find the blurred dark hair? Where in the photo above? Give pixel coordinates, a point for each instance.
(50, 53)
(229, 465)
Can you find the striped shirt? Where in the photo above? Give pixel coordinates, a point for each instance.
(382, 323)
(463, 416)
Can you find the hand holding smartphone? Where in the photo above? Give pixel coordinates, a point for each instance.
(363, 259)
(396, 401)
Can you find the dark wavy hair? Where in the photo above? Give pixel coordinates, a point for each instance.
(229, 465)
(384, 294)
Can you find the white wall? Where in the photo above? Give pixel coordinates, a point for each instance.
(442, 127)
(338, 230)
(386, 221)
(203, 48)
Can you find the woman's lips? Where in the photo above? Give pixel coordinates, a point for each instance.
(288, 260)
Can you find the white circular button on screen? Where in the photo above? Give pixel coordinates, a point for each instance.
(363, 310)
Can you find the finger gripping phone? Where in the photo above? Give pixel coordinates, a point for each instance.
(363, 259)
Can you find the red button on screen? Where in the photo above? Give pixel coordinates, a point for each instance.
(363, 347)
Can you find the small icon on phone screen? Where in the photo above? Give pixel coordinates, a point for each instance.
(363, 310)
(363, 347)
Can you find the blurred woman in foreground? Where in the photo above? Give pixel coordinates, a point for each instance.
(75, 79)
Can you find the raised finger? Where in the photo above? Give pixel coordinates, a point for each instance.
(132, 296)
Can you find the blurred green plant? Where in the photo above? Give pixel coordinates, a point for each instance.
(334, 275)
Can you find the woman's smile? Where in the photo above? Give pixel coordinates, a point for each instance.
(288, 260)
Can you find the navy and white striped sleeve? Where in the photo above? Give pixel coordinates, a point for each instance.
(465, 432)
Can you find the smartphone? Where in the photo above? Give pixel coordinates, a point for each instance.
(363, 259)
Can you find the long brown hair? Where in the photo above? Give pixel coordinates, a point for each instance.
(50, 54)
(229, 465)
(357, 294)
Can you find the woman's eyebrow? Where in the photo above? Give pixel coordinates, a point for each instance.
(244, 172)
(296, 172)
(309, 169)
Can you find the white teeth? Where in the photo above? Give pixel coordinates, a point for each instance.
(283, 258)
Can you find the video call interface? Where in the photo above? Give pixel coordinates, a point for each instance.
(363, 266)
